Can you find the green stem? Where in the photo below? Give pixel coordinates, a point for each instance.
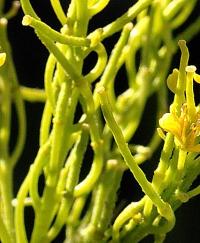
(98, 7)
(194, 192)
(179, 96)
(9, 86)
(124, 216)
(58, 127)
(86, 185)
(74, 161)
(183, 15)
(164, 162)
(8, 75)
(44, 214)
(110, 70)
(19, 212)
(76, 211)
(100, 65)
(36, 170)
(33, 94)
(190, 93)
(181, 160)
(82, 17)
(163, 208)
(103, 192)
(67, 66)
(118, 24)
(13, 10)
(135, 42)
(190, 32)
(28, 9)
(45, 123)
(6, 197)
(59, 11)
(2, 3)
(21, 116)
(48, 80)
(54, 35)
(173, 8)
(4, 234)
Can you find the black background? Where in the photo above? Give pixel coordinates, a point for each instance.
(30, 57)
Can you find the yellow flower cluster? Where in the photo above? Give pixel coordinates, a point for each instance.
(185, 124)
(185, 131)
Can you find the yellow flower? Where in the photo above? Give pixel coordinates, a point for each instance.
(185, 130)
(183, 121)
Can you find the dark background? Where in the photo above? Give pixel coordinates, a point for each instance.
(30, 57)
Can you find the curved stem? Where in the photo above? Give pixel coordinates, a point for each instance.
(53, 34)
(110, 70)
(28, 9)
(163, 208)
(4, 234)
(59, 11)
(98, 7)
(118, 24)
(19, 212)
(36, 169)
(125, 215)
(6, 198)
(21, 115)
(45, 123)
(100, 65)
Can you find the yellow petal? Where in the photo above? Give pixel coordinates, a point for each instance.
(172, 80)
(170, 124)
(195, 148)
(2, 58)
(197, 78)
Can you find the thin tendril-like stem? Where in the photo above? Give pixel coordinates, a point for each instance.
(28, 9)
(54, 35)
(59, 11)
(4, 234)
(98, 7)
(110, 70)
(125, 215)
(179, 96)
(119, 23)
(19, 212)
(33, 94)
(163, 208)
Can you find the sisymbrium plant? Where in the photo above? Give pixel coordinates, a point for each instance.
(85, 203)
